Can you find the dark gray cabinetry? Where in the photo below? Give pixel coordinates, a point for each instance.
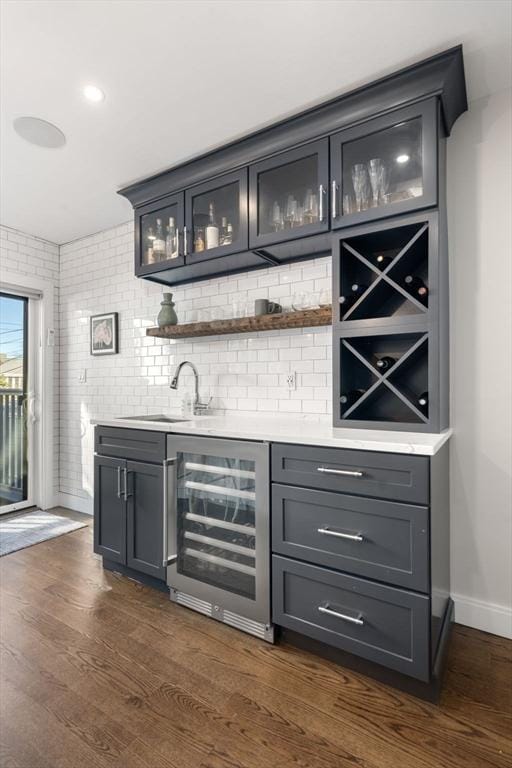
(385, 166)
(360, 558)
(393, 120)
(128, 499)
(288, 195)
(109, 509)
(170, 212)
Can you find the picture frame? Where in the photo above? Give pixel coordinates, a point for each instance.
(104, 334)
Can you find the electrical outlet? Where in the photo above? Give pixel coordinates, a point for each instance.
(82, 376)
(291, 380)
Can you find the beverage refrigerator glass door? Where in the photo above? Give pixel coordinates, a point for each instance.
(217, 529)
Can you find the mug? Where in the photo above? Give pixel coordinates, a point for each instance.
(266, 307)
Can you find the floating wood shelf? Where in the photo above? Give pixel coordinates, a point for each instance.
(307, 318)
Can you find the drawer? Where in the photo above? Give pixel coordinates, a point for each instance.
(383, 475)
(383, 624)
(135, 444)
(381, 540)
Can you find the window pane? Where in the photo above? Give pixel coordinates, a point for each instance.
(288, 196)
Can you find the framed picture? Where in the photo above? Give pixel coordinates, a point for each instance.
(104, 334)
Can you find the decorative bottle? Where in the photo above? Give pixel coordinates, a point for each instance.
(167, 315)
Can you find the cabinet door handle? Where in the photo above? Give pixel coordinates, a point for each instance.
(321, 193)
(337, 534)
(343, 616)
(119, 482)
(125, 479)
(177, 242)
(185, 242)
(344, 472)
(334, 205)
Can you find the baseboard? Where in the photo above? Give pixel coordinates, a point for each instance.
(489, 617)
(76, 503)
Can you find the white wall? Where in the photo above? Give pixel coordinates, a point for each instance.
(480, 212)
(241, 372)
(31, 257)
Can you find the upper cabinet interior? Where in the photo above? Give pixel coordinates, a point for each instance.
(276, 195)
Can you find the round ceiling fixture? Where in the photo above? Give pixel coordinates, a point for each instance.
(93, 93)
(39, 132)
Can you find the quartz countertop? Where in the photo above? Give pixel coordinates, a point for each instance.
(290, 429)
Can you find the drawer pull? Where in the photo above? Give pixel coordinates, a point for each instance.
(344, 472)
(351, 619)
(339, 535)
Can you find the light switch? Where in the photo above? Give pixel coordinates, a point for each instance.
(82, 376)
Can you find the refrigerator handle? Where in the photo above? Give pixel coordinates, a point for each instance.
(169, 509)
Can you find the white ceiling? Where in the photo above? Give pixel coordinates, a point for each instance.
(182, 77)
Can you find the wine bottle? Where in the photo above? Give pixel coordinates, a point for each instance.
(171, 250)
(423, 401)
(383, 260)
(150, 257)
(159, 242)
(416, 286)
(383, 363)
(349, 398)
(345, 303)
(358, 289)
(212, 230)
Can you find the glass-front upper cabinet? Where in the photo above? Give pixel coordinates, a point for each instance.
(385, 166)
(159, 235)
(216, 217)
(288, 195)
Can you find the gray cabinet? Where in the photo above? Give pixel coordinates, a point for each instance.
(128, 500)
(360, 559)
(109, 509)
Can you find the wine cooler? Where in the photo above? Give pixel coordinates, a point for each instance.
(216, 540)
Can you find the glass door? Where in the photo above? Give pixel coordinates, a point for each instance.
(221, 527)
(216, 217)
(14, 437)
(159, 235)
(385, 166)
(288, 195)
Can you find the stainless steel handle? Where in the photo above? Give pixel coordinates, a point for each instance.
(125, 480)
(344, 472)
(339, 535)
(185, 242)
(351, 619)
(119, 482)
(334, 205)
(169, 499)
(177, 242)
(321, 202)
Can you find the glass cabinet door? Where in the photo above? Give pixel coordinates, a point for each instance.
(216, 217)
(385, 166)
(158, 235)
(216, 522)
(288, 195)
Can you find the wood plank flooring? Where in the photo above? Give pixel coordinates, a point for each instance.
(96, 671)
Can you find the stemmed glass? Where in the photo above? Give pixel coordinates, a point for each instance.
(291, 212)
(277, 217)
(360, 183)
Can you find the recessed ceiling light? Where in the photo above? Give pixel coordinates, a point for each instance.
(93, 93)
(403, 159)
(39, 132)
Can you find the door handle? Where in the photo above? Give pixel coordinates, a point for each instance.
(343, 616)
(344, 472)
(125, 478)
(119, 482)
(334, 205)
(185, 242)
(339, 535)
(169, 504)
(321, 192)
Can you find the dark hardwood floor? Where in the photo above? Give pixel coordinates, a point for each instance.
(98, 671)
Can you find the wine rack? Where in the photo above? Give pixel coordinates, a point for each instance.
(390, 362)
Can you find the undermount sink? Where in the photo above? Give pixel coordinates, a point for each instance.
(158, 417)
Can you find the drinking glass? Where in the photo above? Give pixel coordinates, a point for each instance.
(375, 172)
(277, 217)
(291, 212)
(360, 183)
(310, 207)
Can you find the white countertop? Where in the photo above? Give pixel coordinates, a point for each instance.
(291, 429)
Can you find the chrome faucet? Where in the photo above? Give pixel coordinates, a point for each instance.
(197, 405)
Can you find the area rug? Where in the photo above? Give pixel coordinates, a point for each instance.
(21, 531)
